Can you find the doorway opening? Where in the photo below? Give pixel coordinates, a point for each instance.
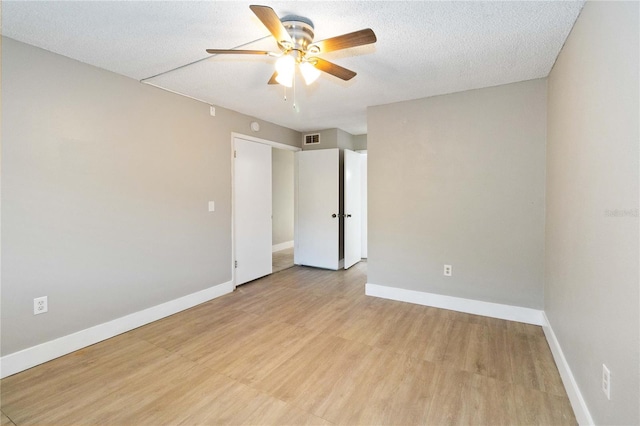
(269, 209)
(282, 188)
(253, 206)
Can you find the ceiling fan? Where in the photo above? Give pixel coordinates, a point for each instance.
(294, 35)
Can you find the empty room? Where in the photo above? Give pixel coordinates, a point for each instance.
(290, 213)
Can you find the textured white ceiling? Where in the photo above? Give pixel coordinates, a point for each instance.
(423, 49)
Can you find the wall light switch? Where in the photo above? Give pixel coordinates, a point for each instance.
(212, 111)
(212, 206)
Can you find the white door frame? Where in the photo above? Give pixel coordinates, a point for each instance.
(233, 201)
(352, 211)
(364, 197)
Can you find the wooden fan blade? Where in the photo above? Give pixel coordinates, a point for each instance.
(333, 69)
(237, 52)
(270, 20)
(272, 80)
(345, 41)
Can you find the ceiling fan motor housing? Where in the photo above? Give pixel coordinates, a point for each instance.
(301, 31)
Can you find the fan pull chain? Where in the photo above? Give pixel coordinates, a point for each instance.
(284, 88)
(294, 89)
(295, 106)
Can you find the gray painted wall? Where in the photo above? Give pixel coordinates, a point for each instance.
(345, 140)
(105, 184)
(591, 281)
(360, 142)
(282, 189)
(459, 179)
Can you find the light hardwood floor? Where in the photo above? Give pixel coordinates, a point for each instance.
(282, 259)
(303, 346)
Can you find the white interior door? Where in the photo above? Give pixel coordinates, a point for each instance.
(317, 216)
(252, 210)
(352, 209)
(363, 196)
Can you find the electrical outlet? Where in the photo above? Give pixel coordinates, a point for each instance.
(606, 381)
(447, 270)
(40, 305)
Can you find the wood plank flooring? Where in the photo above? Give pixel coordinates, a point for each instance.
(302, 346)
(282, 259)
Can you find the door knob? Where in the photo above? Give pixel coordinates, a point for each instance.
(334, 215)
(348, 215)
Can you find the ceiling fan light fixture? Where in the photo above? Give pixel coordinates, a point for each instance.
(285, 67)
(309, 72)
(295, 37)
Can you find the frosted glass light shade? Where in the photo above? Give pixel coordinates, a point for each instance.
(285, 67)
(309, 72)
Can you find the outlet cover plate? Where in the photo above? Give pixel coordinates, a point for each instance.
(448, 270)
(40, 305)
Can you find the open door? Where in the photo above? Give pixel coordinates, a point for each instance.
(252, 210)
(317, 221)
(352, 209)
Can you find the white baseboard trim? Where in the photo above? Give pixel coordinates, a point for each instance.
(35, 355)
(570, 385)
(470, 306)
(282, 246)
